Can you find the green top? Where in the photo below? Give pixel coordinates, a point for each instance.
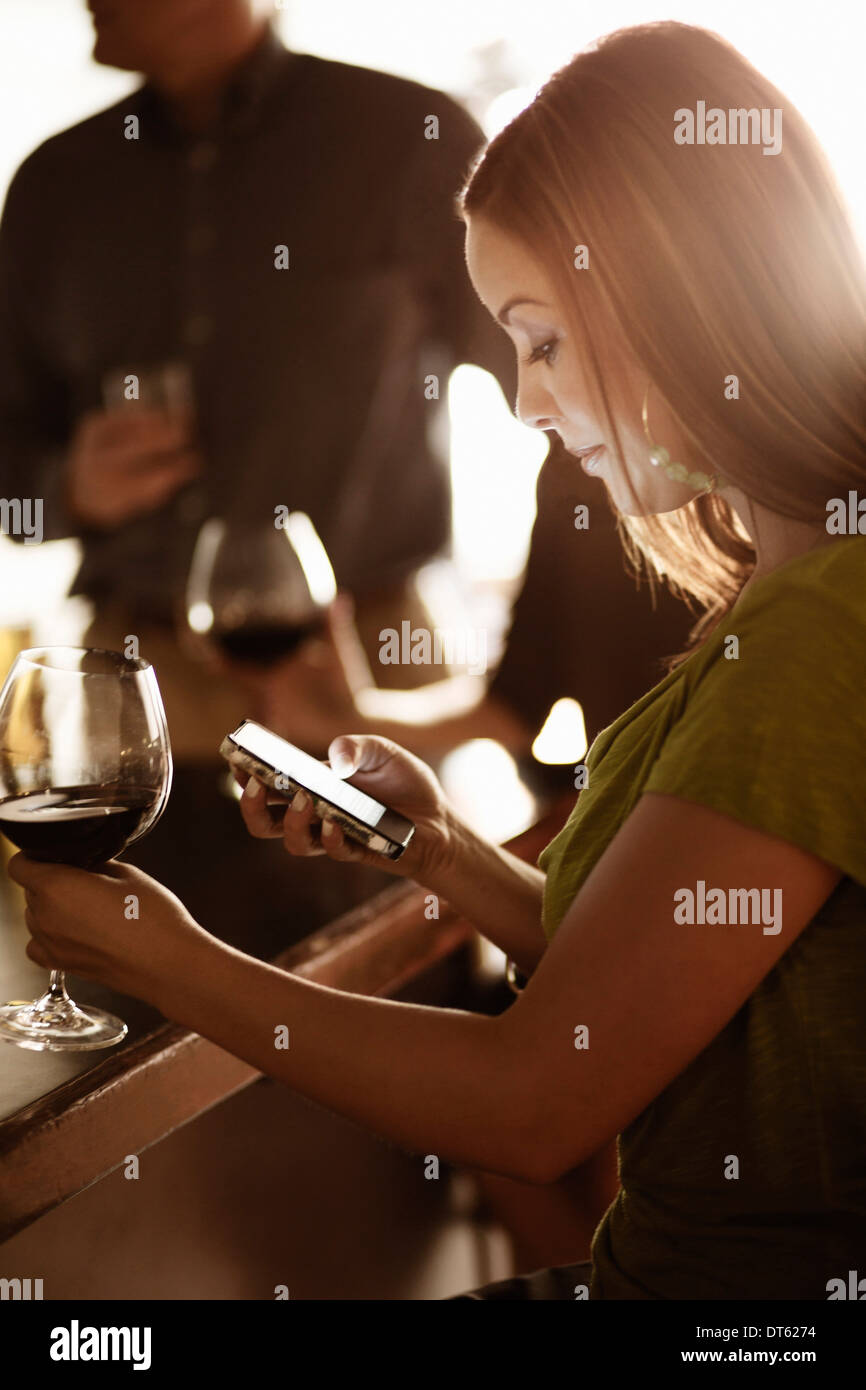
(777, 740)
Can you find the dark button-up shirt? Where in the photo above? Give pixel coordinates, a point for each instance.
(309, 382)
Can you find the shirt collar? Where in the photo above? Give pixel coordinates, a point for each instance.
(255, 79)
(244, 97)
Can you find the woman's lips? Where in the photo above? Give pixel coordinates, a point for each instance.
(590, 459)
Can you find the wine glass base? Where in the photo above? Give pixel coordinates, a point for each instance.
(59, 1026)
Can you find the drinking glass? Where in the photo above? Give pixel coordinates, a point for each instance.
(257, 590)
(85, 770)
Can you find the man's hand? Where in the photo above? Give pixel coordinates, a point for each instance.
(123, 463)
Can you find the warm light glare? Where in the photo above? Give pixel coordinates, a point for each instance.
(562, 738)
(200, 617)
(312, 556)
(504, 108)
(495, 461)
(814, 54)
(482, 780)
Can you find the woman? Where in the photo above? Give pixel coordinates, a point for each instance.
(695, 936)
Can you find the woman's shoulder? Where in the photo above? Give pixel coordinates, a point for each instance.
(807, 618)
(773, 732)
(831, 577)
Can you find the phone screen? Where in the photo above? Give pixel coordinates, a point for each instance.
(284, 757)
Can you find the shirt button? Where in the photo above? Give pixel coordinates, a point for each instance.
(197, 329)
(202, 156)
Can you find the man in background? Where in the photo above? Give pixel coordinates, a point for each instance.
(283, 228)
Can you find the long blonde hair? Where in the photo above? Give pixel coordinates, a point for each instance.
(706, 262)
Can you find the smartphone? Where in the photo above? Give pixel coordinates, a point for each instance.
(285, 768)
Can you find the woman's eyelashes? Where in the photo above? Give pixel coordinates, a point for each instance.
(545, 352)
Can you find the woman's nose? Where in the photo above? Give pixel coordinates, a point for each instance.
(535, 405)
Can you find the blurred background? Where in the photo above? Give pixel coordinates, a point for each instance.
(491, 55)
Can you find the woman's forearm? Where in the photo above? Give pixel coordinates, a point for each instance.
(499, 893)
(434, 1081)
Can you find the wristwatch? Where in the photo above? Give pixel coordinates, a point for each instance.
(515, 978)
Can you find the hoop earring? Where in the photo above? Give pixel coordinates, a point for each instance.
(677, 472)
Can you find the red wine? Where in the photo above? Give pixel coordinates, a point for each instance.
(84, 826)
(262, 644)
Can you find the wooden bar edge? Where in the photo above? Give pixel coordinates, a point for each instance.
(83, 1130)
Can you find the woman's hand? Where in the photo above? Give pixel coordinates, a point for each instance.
(117, 925)
(385, 771)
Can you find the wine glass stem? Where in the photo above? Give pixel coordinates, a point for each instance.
(56, 991)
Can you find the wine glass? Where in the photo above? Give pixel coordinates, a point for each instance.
(85, 770)
(257, 590)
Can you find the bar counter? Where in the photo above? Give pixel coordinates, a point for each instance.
(69, 1120)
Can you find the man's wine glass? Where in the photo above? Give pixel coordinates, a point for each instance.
(257, 590)
(85, 770)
